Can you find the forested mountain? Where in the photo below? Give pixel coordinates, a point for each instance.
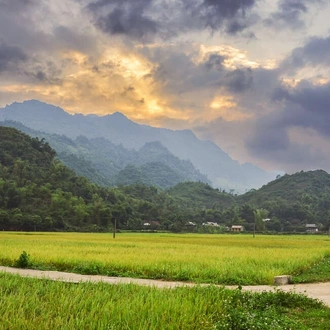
(208, 158)
(107, 164)
(38, 192)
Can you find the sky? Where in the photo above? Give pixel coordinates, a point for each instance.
(251, 75)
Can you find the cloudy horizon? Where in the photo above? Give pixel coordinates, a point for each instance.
(253, 76)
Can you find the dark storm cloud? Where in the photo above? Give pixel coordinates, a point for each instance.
(314, 53)
(144, 19)
(179, 73)
(46, 72)
(125, 17)
(290, 13)
(239, 80)
(10, 57)
(214, 13)
(306, 106)
(14, 61)
(15, 5)
(214, 62)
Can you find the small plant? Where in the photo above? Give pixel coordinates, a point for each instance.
(23, 260)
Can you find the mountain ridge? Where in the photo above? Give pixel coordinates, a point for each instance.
(206, 156)
(105, 163)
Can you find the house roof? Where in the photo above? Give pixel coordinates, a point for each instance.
(311, 225)
(236, 227)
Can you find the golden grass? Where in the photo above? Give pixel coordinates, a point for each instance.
(221, 259)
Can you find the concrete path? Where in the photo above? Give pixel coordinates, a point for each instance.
(319, 291)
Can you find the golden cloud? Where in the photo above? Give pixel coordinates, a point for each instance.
(226, 108)
(234, 57)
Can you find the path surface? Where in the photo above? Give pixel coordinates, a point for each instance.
(319, 291)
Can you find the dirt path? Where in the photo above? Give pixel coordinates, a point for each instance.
(319, 291)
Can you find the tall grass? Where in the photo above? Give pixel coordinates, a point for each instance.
(42, 304)
(220, 259)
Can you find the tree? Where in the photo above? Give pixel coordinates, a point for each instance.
(259, 216)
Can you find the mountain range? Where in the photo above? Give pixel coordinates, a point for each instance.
(107, 164)
(117, 130)
(38, 192)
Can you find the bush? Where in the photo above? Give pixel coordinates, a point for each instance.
(23, 260)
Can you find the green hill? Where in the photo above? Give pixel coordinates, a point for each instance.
(294, 200)
(201, 195)
(301, 186)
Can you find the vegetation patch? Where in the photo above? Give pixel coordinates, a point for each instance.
(316, 272)
(42, 304)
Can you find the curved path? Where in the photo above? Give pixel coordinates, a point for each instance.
(319, 291)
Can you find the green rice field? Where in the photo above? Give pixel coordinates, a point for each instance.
(218, 259)
(27, 304)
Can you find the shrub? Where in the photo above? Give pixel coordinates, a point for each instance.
(23, 260)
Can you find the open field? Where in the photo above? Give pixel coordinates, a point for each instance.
(220, 259)
(42, 304)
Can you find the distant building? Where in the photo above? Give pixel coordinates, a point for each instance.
(212, 224)
(311, 228)
(151, 224)
(237, 228)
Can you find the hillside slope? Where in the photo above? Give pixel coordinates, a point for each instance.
(201, 195)
(300, 186)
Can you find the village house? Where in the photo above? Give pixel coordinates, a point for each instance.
(311, 228)
(237, 228)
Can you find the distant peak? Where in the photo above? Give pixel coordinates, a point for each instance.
(36, 104)
(118, 115)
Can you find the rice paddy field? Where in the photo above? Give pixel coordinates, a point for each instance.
(218, 259)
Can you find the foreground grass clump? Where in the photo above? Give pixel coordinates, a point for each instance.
(218, 259)
(42, 304)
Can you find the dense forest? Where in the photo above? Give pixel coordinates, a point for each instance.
(38, 192)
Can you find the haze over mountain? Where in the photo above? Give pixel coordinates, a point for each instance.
(107, 164)
(206, 156)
